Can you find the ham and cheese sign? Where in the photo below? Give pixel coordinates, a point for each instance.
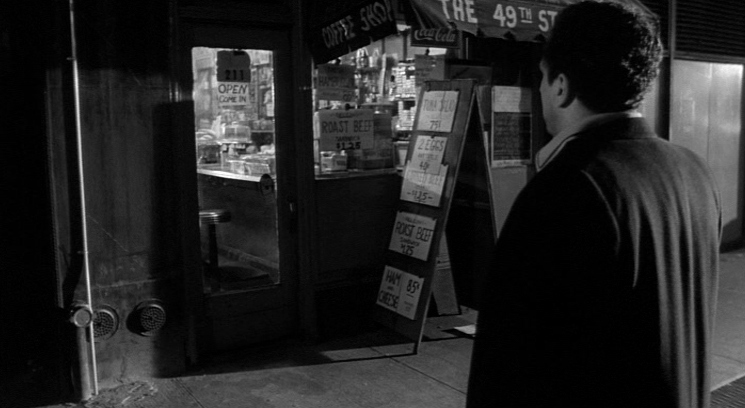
(400, 291)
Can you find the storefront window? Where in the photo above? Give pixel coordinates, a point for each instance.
(365, 103)
(235, 155)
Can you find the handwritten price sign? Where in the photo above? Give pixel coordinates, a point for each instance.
(438, 111)
(335, 83)
(412, 235)
(428, 153)
(342, 130)
(421, 187)
(400, 291)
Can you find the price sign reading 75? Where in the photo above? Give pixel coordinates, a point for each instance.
(437, 111)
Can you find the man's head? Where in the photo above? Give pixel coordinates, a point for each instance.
(607, 53)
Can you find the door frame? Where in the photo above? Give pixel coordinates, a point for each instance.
(295, 189)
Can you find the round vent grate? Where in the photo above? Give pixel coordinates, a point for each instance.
(105, 323)
(150, 317)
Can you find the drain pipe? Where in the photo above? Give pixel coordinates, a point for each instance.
(92, 375)
(81, 316)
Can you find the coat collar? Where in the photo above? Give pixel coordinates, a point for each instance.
(554, 147)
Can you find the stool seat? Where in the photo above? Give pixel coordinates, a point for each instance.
(215, 216)
(211, 218)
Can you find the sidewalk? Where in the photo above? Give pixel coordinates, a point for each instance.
(378, 369)
(729, 332)
(373, 370)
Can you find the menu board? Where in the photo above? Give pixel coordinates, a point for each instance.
(447, 116)
(511, 126)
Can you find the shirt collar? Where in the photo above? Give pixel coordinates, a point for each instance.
(554, 147)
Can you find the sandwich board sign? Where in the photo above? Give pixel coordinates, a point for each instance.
(447, 114)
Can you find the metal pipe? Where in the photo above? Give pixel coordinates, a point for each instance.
(81, 317)
(83, 211)
(84, 363)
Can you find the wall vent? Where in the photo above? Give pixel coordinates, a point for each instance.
(148, 318)
(105, 323)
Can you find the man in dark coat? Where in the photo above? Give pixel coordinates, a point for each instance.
(605, 277)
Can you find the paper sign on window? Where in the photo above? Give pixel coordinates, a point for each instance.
(511, 126)
(232, 94)
(336, 83)
(412, 235)
(344, 129)
(437, 111)
(400, 291)
(511, 99)
(423, 188)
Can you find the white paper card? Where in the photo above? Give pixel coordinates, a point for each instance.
(428, 153)
(423, 188)
(511, 99)
(400, 291)
(411, 289)
(344, 129)
(412, 235)
(437, 111)
(335, 83)
(232, 94)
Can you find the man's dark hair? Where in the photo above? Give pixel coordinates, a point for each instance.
(610, 54)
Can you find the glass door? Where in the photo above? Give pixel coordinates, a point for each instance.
(236, 167)
(243, 144)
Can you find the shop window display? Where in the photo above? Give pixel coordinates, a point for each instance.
(364, 104)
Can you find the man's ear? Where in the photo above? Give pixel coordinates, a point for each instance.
(564, 92)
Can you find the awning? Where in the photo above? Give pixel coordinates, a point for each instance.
(346, 28)
(521, 20)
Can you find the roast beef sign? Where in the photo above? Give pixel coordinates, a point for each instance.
(435, 37)
(359, 26)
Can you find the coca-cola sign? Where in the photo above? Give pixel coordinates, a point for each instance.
(435, 37)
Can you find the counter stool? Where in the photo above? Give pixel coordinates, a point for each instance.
(210, 218)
